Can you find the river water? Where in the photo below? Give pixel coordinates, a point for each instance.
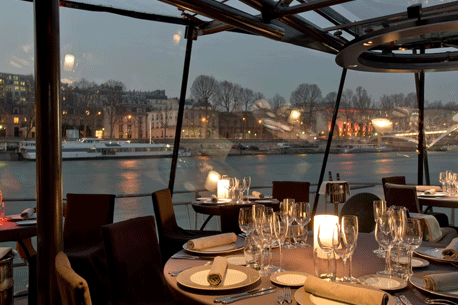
(18, 178)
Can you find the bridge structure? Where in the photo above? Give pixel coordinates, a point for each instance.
(412, 137)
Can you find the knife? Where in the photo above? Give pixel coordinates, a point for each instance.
(405, 300)
(234, 299)
(246, 293)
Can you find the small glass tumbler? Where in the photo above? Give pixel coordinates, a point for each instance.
(325, 268)
(252, 253)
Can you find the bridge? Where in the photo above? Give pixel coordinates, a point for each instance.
(412, 137)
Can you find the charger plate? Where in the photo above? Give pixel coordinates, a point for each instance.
(235, 277)
(417, 280)
(302, 297)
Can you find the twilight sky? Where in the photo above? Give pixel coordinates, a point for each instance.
(149, 55)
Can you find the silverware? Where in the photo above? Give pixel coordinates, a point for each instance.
(397, 300)
(405, 300)
(219, 300)
(176, 272)
(231, 300)
(280, 297)
(287, 295)
(433, 301)
(187, 256)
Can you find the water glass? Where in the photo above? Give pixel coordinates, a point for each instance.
(246, 220)
(286, 208)
(252, 253)
(384, 236)
(379, 210)
(413, 237)
(280, 226)
(301, 213)
(349, 227)
(323, 257)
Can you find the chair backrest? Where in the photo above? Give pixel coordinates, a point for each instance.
(362, 206)
(85, 216)
(72, 287)
(164, 212)
(393, 180)
(297, 190)
(403, 195)
(229, 215)
(134, 262)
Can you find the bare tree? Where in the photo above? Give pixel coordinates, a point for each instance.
(363, 103)
(112, 91)
(204, 89)
(386, 102)
(246, 99)
(228, 96)
(411, 100)
(276, 102)
(307, 97)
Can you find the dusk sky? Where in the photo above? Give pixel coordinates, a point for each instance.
(148, 55)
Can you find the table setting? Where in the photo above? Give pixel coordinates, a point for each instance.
(352, 262)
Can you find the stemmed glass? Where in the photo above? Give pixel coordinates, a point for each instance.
(260, 238)
(234, 188)
(384, 236)
(286, 208)
(344, 244)
(246, 220)
(269, 234)
(379, 210)
(349, 225)
(280, 226)
(326, 243)
(242, 189)
(398, 216)
(442, 180)
(412, 239)
(301, 213)
(247, 183)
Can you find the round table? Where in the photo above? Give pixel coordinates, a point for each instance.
(301, 259)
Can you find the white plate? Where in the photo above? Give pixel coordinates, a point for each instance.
(26, 222)
(265, 200)
(436, 194)
(238, 260)
(383, 282)
(289, 278)
(417, 280)
(220, 201)
(302, 297)
(232, 247)
(235, 277)
(17, 217)
(433, 253)
(204, 199)
(416, 261)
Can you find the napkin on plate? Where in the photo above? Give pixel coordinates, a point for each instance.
(217, 271)
(430, 227)
(451, 251)
(27, 213)
(441, 281)
(211, 241)
(424, 188)
(258, 195)
(345, 293)
(214, 199)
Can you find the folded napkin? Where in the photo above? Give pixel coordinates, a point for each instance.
(451, 251)
(430, 227)
(217, 271)
(344, 292)
(214, 199)
(258, 195)
(211, 241)
(27, 213)
(441, 281)
(424, 188)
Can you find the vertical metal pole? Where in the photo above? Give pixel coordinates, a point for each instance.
(328, 145)
(48, 138)
(420, 86)
(184, 82)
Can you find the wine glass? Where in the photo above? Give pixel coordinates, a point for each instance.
(267, 231)
(246, 220)
(379, 209)
(325, 242)
(301, 212)
(280, 224)
(343, 244)
(413, 237)
(384, 236)
(260, 238)
(349, 224)
(234, 188)
(242, 188)
(247, 183)
(398, 216)
(286, 208)
(442, 180)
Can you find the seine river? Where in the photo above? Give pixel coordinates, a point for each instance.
(18, 178)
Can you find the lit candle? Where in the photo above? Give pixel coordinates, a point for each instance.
(212, 181)
(328, 224)
(223, 189)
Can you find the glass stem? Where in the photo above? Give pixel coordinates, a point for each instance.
(281, 256)
(350, 275)
(410, 253)
(344, 260)
(388, 259)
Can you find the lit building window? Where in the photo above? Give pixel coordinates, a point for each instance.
(16, 120)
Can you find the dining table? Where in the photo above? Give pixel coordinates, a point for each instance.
(440, 200)
(365, 262)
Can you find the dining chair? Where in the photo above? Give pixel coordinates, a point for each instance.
(393, 180)
(362, 206)
(297, 190)
(171, 236)
(406, 195)
(85, 214)
(73, 289)
(134, 262)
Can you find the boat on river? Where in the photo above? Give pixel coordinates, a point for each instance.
(94, 148)
(363, 148)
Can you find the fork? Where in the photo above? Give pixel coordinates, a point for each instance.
(433, 301)
(287, 295)
(280, 296)
(176, 272)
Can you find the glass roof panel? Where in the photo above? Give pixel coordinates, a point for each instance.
(376, 8)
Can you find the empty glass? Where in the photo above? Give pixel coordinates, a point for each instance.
(379, 209)
(324, 260)
(344, 244)
(413, 237)
(246, 220)
(349, 225)
(301, 212)
(286, 208)
(280, 226)
(385, 237)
